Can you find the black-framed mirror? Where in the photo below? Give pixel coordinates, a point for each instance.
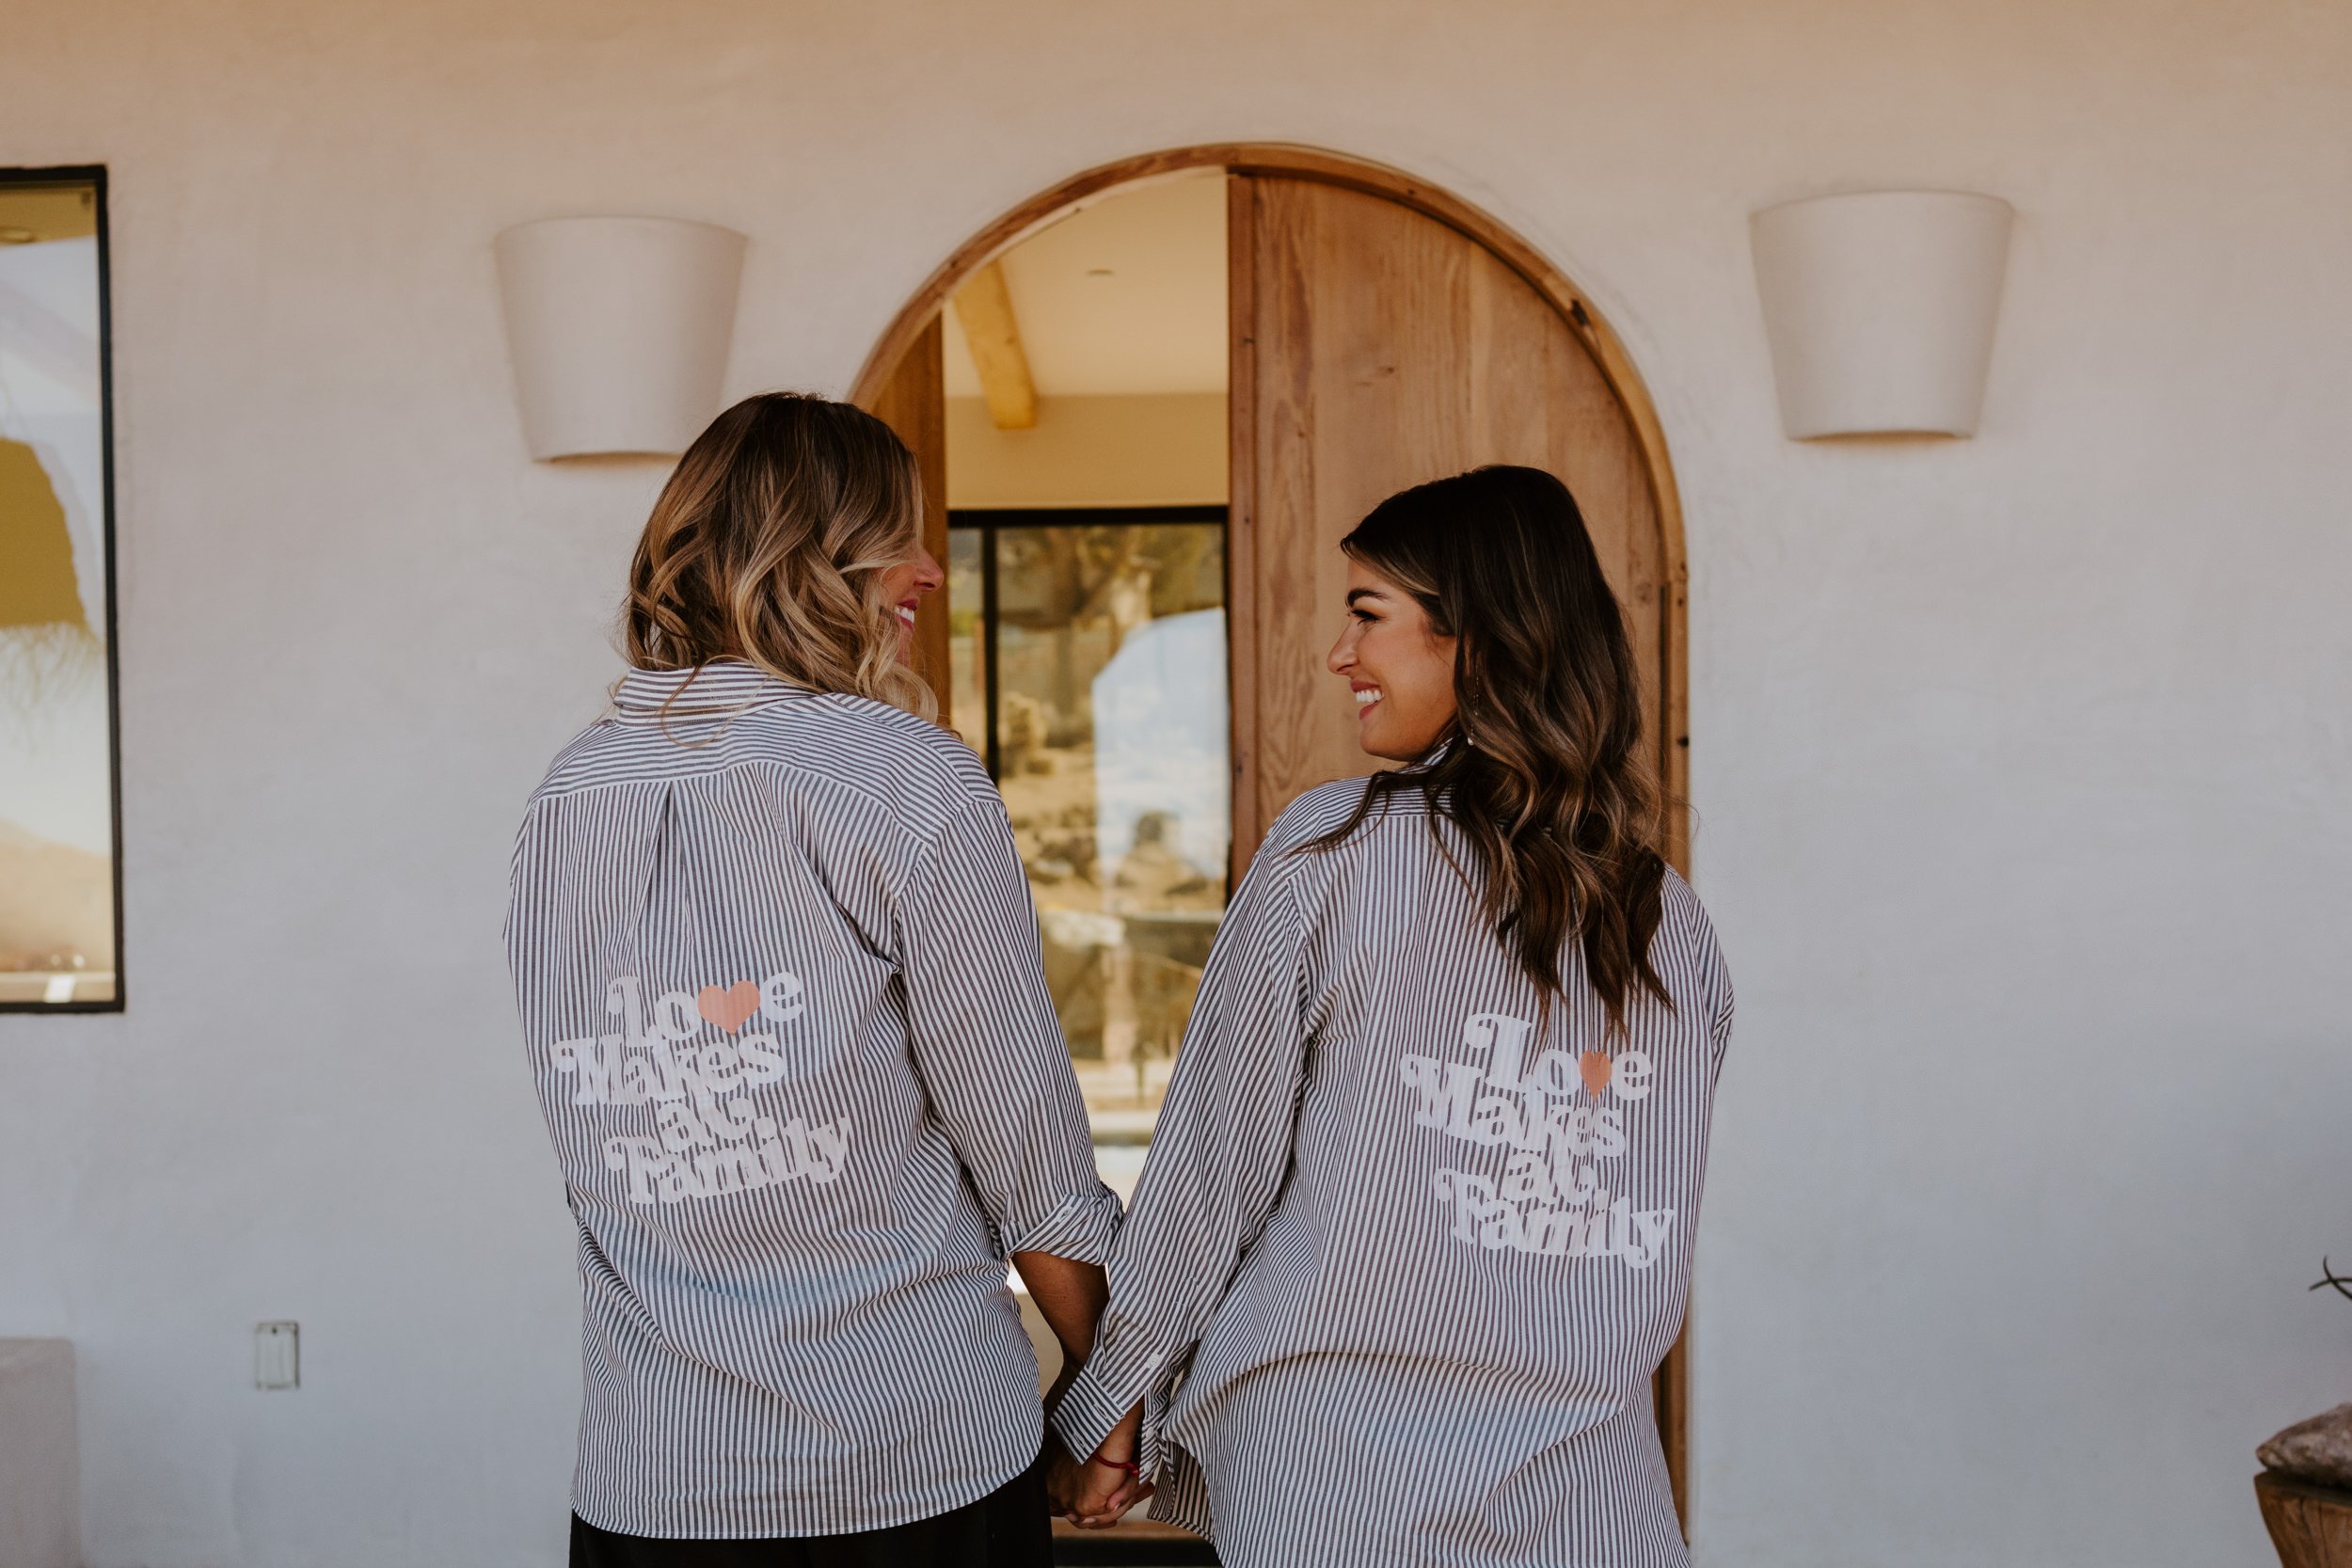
(60, 787)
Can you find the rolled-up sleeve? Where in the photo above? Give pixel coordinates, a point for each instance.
(1218, 1159)
(988, 1047)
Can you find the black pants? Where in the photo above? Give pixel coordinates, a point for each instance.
(1006, 1528)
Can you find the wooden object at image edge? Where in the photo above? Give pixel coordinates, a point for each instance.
(2311, 1526)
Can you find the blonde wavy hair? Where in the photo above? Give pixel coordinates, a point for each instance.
(771, 544)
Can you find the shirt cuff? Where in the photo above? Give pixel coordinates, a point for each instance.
(1081, 1230)
(1113, 1382)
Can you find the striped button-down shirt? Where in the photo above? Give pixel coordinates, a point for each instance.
(1408, 1249)
(779, 980)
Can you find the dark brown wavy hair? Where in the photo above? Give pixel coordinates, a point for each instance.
(770, 545)
(1541, 770)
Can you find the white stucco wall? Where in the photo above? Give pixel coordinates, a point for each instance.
(2022, 761)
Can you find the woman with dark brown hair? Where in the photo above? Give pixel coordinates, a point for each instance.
(1415, 1229)
(781, 989)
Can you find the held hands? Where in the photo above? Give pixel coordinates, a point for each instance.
(1094, 1492)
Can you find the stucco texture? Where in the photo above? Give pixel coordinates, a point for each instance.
(2021, 763)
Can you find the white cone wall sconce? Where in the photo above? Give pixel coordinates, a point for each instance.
(1879, 308)
(619, 327)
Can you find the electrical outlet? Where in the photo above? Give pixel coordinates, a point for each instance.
(277, 1355)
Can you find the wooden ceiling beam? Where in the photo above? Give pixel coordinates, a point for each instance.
(984, 307)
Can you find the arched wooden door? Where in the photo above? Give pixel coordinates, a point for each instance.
(1375, 347)
(1383, 333)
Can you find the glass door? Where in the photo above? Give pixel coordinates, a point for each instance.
(1089, 656)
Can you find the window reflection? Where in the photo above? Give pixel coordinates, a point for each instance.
(1089, 670)
(58, 880)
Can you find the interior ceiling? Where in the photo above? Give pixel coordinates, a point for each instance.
(1125, 295)
(34, 212)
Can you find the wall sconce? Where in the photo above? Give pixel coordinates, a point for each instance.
(619, 328)
(1879, 308)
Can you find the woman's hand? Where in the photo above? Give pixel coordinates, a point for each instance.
(1098, 1490)
(1103, 1494)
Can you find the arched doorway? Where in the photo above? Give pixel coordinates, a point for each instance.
(1382, 332)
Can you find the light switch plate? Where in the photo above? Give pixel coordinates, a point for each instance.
(277, 1355)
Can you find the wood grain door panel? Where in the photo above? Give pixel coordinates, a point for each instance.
(914, 403)
(1377, 348)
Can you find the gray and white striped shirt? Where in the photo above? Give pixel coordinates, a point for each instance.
(1406, 1254)
(779, 979)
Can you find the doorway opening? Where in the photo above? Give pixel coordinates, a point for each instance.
(1083, 378)
(1376, 332)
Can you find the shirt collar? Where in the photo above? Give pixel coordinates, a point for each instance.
(711, 691)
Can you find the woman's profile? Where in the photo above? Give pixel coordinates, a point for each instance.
(1415, 1228)
(780, 984)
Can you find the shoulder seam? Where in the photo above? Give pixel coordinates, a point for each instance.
(878, 800)
(926, 850)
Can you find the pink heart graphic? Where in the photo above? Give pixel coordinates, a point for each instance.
(728, 1007)
(1594, 1068)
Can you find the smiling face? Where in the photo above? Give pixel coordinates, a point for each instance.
(1398, 668)
(903, 588)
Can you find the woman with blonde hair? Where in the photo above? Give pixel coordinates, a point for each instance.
(1415, 1229)
(780, 984)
